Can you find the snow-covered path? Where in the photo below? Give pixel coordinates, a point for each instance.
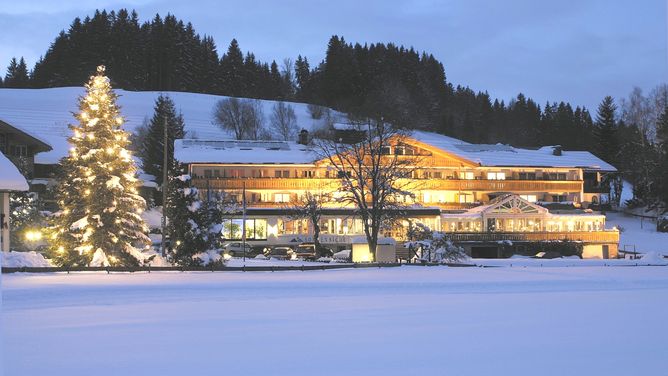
(395, 321)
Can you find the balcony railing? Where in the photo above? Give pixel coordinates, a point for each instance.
(607, 236)
(418, 184)
(505, 185)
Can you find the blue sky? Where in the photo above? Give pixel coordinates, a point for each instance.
(577, 51)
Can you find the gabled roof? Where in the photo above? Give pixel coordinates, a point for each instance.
(35, 140)
(500, 155)
(242, 152)
(512, 204)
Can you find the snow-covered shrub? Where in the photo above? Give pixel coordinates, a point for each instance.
(434, 246)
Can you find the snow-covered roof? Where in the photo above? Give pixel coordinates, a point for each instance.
(507, 156)
(45, 113)
(10, 177)
(231, 151)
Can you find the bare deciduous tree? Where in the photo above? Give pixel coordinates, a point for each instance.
(243, 117)
(253, 119)
(310, 207)
(373, 179)
(283, 122)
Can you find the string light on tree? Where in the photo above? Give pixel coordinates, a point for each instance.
(97, 186)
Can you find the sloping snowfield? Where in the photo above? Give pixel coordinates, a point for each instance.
(396, 321)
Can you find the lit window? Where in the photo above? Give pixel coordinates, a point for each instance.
(465, 199)
(468, 175)
(282, 197)
(496, 176)
(530, 198)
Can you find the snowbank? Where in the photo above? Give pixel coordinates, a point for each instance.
(19, 259)
(653, 258)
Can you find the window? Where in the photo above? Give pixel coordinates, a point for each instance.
(216, 173)
(558, 198)
(465, 199)
(19, 150)
(527, 176)
(282, 197)
(207, 173)
(256, 229)
(385, 150)
(308, 174)
(561, 176)
(530, 198)
(282, 173)
(341, 174)
(400, 150)
(437, 175)
(468, 175)
(496, 176)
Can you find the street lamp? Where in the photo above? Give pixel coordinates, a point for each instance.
(32, 237)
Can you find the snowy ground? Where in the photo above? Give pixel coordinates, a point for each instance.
(397, 321)
(645, 239)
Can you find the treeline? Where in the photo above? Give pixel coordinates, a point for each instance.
(399, 84)
(161, 54)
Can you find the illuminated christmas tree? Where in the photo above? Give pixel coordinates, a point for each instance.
(100, 207)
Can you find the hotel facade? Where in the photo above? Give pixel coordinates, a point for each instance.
(488, 198)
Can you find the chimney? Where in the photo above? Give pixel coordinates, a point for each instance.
(556, 150)
(303, 137)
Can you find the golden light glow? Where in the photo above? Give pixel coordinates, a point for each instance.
(33, 235)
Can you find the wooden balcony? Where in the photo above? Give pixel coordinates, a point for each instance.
(607, 236)
(417, 184)
(266, 183)
(504, 185)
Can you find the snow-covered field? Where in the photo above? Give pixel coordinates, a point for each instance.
(644, 236)
(395, 321)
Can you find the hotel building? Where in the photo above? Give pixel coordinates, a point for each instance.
(485, 196)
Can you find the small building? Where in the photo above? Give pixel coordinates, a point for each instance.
(11, 181)
(509, 224)
(20, 147)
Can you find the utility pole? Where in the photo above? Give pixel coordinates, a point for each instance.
(163, 251)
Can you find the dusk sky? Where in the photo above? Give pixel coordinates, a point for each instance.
(578, 51)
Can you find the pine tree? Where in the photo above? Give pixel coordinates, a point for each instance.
(97, 193)
(187, 217)
(17, 74)
(605, 133)
(232, 71)
(152, 149)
